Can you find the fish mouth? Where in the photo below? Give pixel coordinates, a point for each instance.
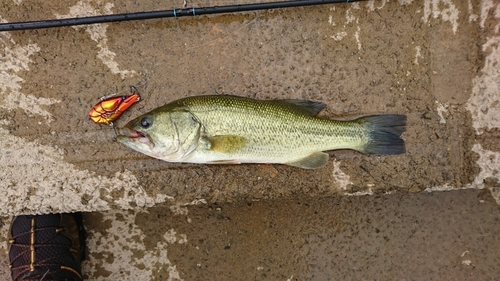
(129, 135)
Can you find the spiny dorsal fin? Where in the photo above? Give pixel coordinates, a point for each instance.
(311, 108)
(313, 161)
(226, 143)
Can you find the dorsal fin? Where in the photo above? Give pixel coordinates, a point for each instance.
(311, 108)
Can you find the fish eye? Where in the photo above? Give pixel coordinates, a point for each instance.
(146, 122)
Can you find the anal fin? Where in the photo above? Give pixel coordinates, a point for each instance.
(313, 161)
(233, 161)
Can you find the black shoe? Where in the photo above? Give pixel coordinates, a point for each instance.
(47, 247)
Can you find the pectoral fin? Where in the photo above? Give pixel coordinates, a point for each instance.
(226, 143)
(313, 161)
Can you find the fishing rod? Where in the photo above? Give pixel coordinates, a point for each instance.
(164, 14)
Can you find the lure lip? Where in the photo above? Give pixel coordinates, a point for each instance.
(127, 102)
(130, 98)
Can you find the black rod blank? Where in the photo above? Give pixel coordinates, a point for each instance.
(164, 14)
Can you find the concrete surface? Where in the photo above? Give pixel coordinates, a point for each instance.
(452, 235)
(435, 61)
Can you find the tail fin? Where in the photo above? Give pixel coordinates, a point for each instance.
(384, 134)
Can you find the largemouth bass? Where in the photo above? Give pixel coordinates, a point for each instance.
(233, 130)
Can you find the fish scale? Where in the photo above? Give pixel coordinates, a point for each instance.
(306, 131)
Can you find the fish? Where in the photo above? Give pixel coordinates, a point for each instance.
(225, 129)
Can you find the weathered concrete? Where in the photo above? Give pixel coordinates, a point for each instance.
(436, 61)
(451, 235)
(431, 61)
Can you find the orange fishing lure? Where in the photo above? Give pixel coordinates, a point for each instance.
(109, 109)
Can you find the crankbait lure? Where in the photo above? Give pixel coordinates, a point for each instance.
(109, 109)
